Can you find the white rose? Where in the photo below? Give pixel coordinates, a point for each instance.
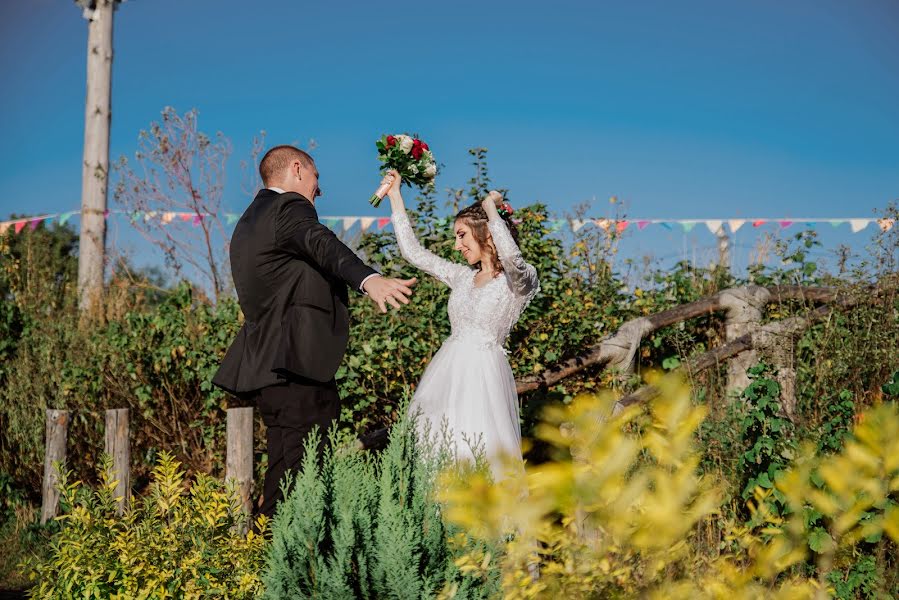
(413, 169)
(431, 170)
(428, 156)
(405, 143)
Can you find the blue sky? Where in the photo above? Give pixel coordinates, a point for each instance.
(690, 109)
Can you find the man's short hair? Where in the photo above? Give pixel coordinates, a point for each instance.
(279, 158)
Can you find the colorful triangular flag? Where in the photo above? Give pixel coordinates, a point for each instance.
(382, 222)
(714, 225)
(332, 223)
(556, 224)
(620, 226)
(759, 223)
(735, 224)
(365, 223)
(231, 218)
(858, 224)
(603, 224)
(348, 222)
(885, 224)
(641, 225)
(688, 225)
(576, 224)
(836, 223)
(665, 224)
(18, 227)
(784, 224)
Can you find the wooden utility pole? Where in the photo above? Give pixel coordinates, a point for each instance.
(95, 167)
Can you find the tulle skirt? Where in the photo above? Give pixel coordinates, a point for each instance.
(467, 397)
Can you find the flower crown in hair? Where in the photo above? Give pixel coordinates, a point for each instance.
(505, 210)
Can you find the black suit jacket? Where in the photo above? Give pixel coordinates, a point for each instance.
(291, 274)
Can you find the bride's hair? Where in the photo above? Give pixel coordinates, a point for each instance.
(475, 217)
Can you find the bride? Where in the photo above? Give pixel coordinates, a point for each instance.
(468, 385)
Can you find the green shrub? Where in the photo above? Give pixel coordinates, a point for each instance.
(174, 542)
(363, 526)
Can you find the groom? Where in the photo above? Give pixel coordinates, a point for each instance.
(291, 274)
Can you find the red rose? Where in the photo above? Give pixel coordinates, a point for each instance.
(416, 152)
(424, 146)
(416, 143)
(390, 141)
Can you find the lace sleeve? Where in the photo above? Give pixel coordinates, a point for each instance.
(521, 275)
(444, 270)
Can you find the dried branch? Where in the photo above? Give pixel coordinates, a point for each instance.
(175, 196)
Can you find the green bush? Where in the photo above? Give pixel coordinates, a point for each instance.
(155, 360)
(363, 526)
(173, 542)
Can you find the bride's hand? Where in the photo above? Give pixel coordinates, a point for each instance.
(393, 177)
(490, 203)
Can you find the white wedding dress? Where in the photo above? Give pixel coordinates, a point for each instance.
(468, 387)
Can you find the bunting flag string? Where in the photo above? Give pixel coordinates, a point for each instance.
(344, 223)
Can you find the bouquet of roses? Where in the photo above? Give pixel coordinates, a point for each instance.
(410, 156)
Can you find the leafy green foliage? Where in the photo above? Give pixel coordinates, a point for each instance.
(155, 360)
(766, 432)
(174, 542)
(891, 387)
(360, 526)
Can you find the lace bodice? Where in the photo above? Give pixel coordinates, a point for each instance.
(484, 314)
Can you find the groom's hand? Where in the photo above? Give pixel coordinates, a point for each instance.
(390, 291)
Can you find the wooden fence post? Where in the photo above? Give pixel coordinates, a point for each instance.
(118, 446)
(57, 422)
(239, 461)
(744, 314)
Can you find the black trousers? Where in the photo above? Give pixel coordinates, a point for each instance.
(290, 411)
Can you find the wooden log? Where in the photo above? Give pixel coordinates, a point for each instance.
(118, 446)
(765, 338)
(239, 461)
(57, 422)
(599, 355)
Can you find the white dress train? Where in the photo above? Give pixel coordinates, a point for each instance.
(468, 386)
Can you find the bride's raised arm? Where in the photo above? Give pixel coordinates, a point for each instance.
(411, 249)
(522, 275)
